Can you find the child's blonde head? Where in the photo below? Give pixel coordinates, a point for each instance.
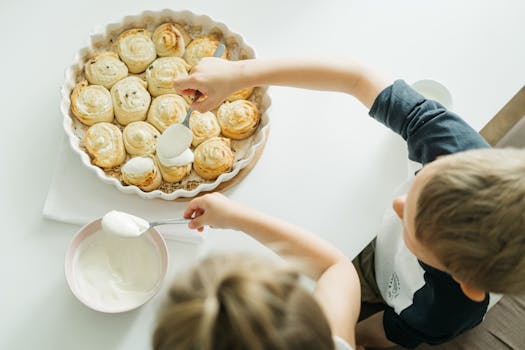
(240, 302)
(471, 215)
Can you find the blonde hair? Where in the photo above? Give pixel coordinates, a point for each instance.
(239, 302)
(471, 215)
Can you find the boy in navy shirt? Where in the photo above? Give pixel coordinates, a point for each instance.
(456, 230)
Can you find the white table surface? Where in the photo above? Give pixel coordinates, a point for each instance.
(338, 187)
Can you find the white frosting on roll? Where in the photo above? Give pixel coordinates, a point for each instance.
(105, 69)
(142, 172)
(136, 49)
(185, 158)
(138, 166)
(131, 100)
(162, 72)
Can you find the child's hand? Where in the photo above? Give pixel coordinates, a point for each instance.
(214, 210)
(215, 78)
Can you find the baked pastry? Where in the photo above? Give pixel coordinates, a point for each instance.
(203, 126)
(175, 169)
(166, 110)
(136, 49)
(130, 100)
(142, 172)
(170, 39)
(242, 94)
(162, 72)
(91, 103)
(200, 47)
(213, 157)
(238, 119)
(105, 69)
(103, 141)
(140, 138)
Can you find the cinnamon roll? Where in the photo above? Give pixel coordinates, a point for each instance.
(162, 72)
(200, 47)
(130, 100)
(136, 49)
(105, 69)
(238, 119)
(170, 39)
(103, 142)
(167, 110)
(175, 169)
(91, 103)
(203, 126)
(140, 138)
(242, 94)
(141, 172)
(213, 157)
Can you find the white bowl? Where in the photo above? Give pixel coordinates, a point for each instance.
(150, 19)
(73, 281)
(434, 90)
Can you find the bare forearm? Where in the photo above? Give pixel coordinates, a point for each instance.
(338, 293)
(330, 74)
(370, 332)
(289, 240)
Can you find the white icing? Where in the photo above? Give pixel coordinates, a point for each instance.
(174, 141)
(138, 166)
(183, 159)
(114, 273)
(123, 224)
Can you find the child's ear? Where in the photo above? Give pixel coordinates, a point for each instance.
(399, 205)
(471, 292)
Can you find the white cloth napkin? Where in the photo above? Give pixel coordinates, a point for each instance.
(77, 196)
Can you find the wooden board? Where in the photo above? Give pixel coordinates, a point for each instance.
(241, 175)
(505, 119)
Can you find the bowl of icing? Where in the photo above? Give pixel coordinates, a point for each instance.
(111, 273)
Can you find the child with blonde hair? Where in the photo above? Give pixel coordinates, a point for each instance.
(236, 301)
(456, 231)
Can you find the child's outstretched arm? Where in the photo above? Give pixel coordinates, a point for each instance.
(218, 78)
(337, 291)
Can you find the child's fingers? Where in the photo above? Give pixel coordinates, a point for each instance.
(193, 207)
(188, 213)
(204, 105)
(188, 92)
(186, 83)
(198, 212)
(197, 222)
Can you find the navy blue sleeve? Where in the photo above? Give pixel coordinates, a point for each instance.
(429, 129)
(428, 319)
